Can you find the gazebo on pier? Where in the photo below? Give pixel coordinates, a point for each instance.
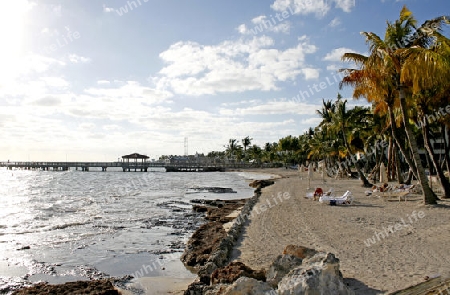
(138, 161)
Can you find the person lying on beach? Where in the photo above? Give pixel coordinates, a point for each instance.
(384, 187)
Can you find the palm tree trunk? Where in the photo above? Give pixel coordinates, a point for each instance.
(446, 131)
(399, 168)
(390, 165)
(409, 178)
(442, 179)
(429, 197)
(399, 145)
(363, 178)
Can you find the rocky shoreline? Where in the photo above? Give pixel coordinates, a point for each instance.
(298, 270)
(217, 256)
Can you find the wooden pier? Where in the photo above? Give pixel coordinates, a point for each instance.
(125, 166)
(83, 166)
(133, 162)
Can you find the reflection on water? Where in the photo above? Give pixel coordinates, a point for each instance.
(60, 226)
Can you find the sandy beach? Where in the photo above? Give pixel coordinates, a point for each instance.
(373, 259)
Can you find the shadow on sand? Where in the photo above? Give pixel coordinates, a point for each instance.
(360, 288)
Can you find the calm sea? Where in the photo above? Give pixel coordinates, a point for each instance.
(66, 226)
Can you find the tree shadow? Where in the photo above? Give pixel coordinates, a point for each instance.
(360, 288)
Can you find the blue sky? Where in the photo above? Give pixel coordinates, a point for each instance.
(94, 80)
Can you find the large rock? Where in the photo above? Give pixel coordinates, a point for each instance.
(318, 275)
(299, 251)
(249, 286)
(281, 266)
(196, 288)
(234, 271)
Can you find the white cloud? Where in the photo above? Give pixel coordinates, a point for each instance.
(336, 54)
(262, 24)
(14, 71)
(103, 82)
(232, 66)
(335, 22)
(310, 73)
(107, 9)
(333, 67)
(48, 101)
(111, 127)
(345, 5)
(86, 126)
(259, 19)
(318, 7)
(313, 122)
(55, 82)
(243, 29)
(273, 108)
(74, 58)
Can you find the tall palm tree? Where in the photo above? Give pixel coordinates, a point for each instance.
(371, 80)
(407, 64)
(429, 127)
(246, 142)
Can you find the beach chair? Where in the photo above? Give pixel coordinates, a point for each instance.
(345, 199)
(395, 194)
(398, 192)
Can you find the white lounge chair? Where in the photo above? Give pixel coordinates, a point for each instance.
(397, 192)
(346, 199)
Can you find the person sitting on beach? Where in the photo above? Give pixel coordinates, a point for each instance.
(318, 193)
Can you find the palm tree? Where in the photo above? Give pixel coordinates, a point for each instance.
(404, 59)
(418, 67)
(246, 142)
(372, 81)
(426, 103)
(349, 125)
(256, 153)
(232, 149)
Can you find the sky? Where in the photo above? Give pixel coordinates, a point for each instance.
(92, 80)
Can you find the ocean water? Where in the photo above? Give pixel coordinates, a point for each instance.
(73, 225)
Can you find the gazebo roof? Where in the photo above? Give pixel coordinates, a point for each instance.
(135, 156)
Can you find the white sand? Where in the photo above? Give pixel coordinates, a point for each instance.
(394, 262)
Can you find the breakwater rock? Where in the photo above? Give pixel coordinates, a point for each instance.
(317, 273)
(100, 287)
(220, 256)
(209, 237)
